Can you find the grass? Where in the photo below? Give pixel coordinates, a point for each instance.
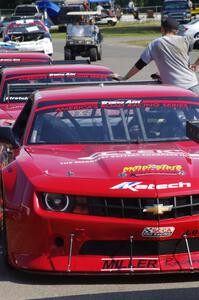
(126, 29)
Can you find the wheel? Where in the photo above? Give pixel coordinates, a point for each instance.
(99, 53)
(93, 54)
(5, 243)
(111, 23)
(196, 35)
(62, 28)
(67, 54)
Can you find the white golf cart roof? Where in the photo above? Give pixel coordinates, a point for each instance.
(82, 13)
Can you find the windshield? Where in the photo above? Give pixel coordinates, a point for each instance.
(176, 5)
(80, 30)
(20, 86)
(111, 122)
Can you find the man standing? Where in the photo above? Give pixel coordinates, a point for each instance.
(171, 55)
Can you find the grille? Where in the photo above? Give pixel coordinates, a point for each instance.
(114, 248)
(132, 208)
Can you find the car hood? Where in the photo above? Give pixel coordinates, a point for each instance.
(9, 112)
(157, 168)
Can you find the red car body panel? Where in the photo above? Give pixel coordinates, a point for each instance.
(71, 243)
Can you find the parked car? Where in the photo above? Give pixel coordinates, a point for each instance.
(106, 20)
(177, 9)
(108, 181)
(30, 10)
(29, 35)
(6, 20)
(191, 28)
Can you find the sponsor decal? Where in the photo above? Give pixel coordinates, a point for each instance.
(157, 231)
(135, 153)
(10, 59)
(158, 209)
(76, 107)
(65, 74)
(172, 262)
(135, 186)
(126, 264)
(155, 169)
(120, 103)
(16, 98)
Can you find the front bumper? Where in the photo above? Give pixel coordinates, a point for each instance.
(73, 244)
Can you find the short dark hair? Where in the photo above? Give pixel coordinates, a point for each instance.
(170, 24)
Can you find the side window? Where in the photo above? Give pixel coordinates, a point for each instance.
(20, 125)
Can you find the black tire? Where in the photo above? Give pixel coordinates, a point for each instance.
(111, 23)
(67, 54)
(62, 28)
(196, 35)
(99, 53)
(93, 54)
(5, 243)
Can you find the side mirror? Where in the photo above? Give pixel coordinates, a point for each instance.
(192, 130)
(7, 136)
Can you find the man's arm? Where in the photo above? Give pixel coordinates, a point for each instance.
(194, 66)
(134, 70)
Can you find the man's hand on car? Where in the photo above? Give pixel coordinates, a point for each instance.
(118, 77)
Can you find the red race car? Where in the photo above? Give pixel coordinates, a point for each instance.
(103, 180)
(23, 79)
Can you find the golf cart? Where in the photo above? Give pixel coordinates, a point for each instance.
(83, 37)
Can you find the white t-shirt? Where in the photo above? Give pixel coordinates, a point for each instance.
(171, 55)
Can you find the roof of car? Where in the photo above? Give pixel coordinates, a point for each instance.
(24, 22)
(117, 91)
(55, 68)
(24, 55)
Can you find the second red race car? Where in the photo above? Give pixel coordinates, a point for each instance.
(24, 78)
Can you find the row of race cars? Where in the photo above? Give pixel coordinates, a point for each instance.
(81, 153)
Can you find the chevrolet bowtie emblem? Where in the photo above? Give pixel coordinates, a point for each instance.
(157, 209)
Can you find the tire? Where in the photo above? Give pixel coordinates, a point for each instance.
(111, 23)
(62, 28)
(196, 35)
(5, 243)
(67, 54)
(93, 54)
(99, 53)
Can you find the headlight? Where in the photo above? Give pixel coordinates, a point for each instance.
(56, 202)
(64, 203)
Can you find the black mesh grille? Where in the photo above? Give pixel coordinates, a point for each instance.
(114, 248)
(132, 208)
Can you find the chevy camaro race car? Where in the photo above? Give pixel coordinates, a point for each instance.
(16, 83)
(103, 180)
(29, 35)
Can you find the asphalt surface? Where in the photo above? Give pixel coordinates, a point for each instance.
(119, 56)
